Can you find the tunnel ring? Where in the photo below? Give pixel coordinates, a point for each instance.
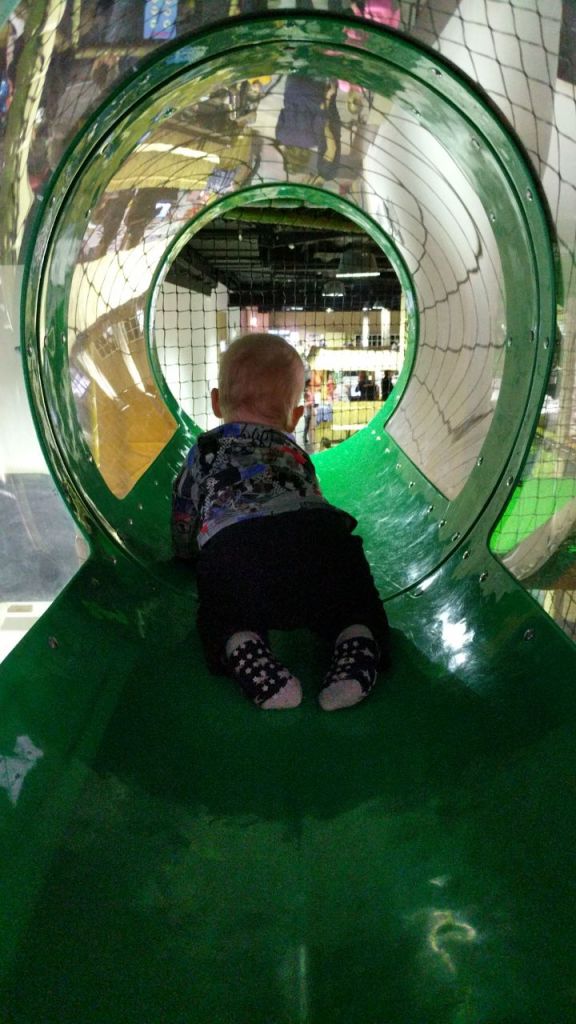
(428, 91)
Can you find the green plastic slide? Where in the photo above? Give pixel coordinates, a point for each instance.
(171, 854)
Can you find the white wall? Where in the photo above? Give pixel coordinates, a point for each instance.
(20, 451)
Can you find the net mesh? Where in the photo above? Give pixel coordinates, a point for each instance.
(525, 58)
(257, 273)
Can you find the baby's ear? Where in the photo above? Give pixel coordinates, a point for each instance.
(215, 400)
(296, 415)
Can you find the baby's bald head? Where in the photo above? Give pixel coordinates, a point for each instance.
(261, 377)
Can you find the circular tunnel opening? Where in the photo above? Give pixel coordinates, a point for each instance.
(370, 127)
(303, 271)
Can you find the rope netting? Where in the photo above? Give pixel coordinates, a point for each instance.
(285, 278)
(524, 56)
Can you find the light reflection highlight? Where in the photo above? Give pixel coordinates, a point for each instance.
(445, 928)
(456, 637)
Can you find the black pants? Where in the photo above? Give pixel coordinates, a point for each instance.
(301, 569)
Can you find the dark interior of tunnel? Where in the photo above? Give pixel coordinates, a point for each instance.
(286, 256)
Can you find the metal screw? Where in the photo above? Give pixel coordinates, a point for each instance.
(529, 634)
(52, 642)
(483, 577)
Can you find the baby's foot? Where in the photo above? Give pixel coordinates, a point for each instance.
(264, 680)
(353, 670)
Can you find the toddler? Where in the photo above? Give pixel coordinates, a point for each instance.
(271, 552)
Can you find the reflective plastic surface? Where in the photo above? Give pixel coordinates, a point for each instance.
(181, 127)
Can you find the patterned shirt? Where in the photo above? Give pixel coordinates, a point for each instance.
(240, 471)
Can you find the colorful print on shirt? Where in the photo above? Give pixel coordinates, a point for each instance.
(235, 472)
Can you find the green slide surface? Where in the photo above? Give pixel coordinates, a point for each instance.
(171, 854)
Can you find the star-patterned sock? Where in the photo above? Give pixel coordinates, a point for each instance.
(353, 670)
(264, 680)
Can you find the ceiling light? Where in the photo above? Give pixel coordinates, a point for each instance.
(333, 290)
(167, 147)
(357, 263)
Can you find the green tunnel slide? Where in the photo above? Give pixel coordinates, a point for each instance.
(174, 855)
